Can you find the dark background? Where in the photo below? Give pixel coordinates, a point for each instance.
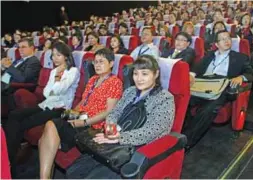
(36, 14)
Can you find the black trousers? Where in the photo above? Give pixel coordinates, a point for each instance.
(21, 120)
(196, 126)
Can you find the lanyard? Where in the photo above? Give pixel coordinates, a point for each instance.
(93, 87)
(215, 66)
(139, 97)
(143, 51)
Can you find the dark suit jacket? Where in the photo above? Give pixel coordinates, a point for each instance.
(187, 55)
(239, 64)
(26, 72)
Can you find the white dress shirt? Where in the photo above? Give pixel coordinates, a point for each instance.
(60, 94)
(219, 65)
(149, 49)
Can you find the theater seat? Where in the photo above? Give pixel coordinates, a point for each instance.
(158, 41)
(105, 40)
(13, 54)
(120, 61)
(163, 158)
(231, 28)
(134, 31)
(173, 29)
(198, 45)
(5, 164)
(199, 30)
(130, 42)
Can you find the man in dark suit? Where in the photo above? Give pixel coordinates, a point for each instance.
(182, 49)
(223, 62)
(24, 70)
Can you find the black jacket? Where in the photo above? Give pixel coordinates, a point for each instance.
(239, 64)
(187, 55)
(26, 72)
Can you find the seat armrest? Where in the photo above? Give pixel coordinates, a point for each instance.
(24, 99)
(245, 87)
(148, 155)
(28, 86)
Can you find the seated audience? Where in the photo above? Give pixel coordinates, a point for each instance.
(59, 93)
(103, 31)
(100, 96)
(93, 42)
(147, 46)
(182, 49)
(117, 45)
(77, 41)
(217, 16)
(17, 38)
(223, 62)
(245, 29)
(147, 87)
(8, 40)
(88, 30)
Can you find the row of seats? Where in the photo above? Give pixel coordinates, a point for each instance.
(176, 80)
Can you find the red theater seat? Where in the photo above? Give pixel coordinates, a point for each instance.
(171, 146)
(158, 41)
(198, 45)
(130, 42)
(199, 30)
(5, 164)
(105, 40)
(13, 54)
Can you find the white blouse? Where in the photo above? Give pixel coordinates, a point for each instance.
(63, 91)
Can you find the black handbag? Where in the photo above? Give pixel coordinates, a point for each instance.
(114, 155)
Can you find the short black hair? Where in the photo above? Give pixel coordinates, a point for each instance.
(29, 40)
(186, 35)
(124, 25)
(216, 37)
(105, 52)
(219, 22)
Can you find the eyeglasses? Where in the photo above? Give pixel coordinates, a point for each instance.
(225, 39)
(181, 40)
(98, 62)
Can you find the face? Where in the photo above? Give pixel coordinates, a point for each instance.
(218, 27)
(162, 32)
(103, 32)
(63, 8)
(144, 79)
(48, 44)
(189, 30)
(122, 30)
(246, 20)
(202, 15)
(88, 30)
(92, 40)
(217, 16)
(7, 37)
(155, 22)
(75, 41)
(56, 34)
(224, 41)
(194, 19)
(24, 49)
(146, 36)
(172, 18)
(181, 43)
(102, 65)
(114, 43)
(58, 58)
(17, 38)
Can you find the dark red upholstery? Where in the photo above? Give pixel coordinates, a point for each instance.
(5, 164)
(198, 45)
(158, 40)
(199, 30)
(119, 62)
(105, 40)
(13, 53)
(171, 166)
(134, 31)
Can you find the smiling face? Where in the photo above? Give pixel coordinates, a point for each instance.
(146, 36)
(144, 79)
(92, 40)
(181, 43)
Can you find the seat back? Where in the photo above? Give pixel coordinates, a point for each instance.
(158, 41)
(47, 66)
(241, 45)
(38, 54)
(199, 30)
(13, 54)
(175, 76)
(139, 23)
(198, 45)
(36, 41)
(105, 40)
(130, 42)
(134, 31)
(173, 30)
(120, 61)
(231, 28)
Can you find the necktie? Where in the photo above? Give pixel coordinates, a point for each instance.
(17, 62)
(175, 54)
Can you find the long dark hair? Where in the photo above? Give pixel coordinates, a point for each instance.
(65, 50)
(121, 44)
(148, 62)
